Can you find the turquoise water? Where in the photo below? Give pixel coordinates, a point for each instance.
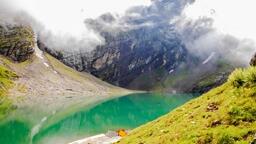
(126, 112)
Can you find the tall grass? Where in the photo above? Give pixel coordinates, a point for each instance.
(243, 77)
(250, 77)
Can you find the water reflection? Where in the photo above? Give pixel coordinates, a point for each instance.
(125, 112)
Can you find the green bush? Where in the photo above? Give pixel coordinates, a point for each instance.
(250, 77)
(246, 114)
(243, 77)
(206, 139)
(226, 139)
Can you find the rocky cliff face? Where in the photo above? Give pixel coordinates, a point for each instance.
(128, 55)
(253, 61)
(16, 42)
(141, 44)
(146, 58)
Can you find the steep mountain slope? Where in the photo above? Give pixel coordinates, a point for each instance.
(143, 50)
(42, 81)
(225, 115)
(127, 55)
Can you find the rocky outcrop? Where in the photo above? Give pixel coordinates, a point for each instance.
(253, 61)
(131, 54)
(17, 42)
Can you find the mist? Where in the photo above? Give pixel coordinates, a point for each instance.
(60, 24)
(208, 31)
(215, 26)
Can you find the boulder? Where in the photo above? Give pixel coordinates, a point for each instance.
(17, 42)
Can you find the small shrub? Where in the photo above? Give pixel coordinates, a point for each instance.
(247, 113)
(226, 139)
(250, 76)
(206, 139)
(237, 78)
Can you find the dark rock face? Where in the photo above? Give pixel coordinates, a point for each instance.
(253, 61)
(17, 43)
(127, 55)
(130, 54)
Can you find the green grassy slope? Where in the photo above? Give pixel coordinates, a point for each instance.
(6, 77)
(225, 115)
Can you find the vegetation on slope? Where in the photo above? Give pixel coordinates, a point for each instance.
(195, 79)
(225, 115)
(6, 77)
(16, 43)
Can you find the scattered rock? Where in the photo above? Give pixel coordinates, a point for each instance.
(215, 123)
(69, 89)
(212, 107)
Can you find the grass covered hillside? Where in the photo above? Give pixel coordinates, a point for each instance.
(6, 78)
(225, 115)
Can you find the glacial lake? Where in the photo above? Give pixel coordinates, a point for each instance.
(125, 112)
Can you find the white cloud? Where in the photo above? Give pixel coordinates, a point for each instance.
(234, 17)
(67, 16)
(63, 20)
(226, 27)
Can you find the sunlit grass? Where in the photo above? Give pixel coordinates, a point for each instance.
(6, 77)
(225, 115)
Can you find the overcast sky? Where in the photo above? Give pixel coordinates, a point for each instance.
(67, 16)
(235, 17)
